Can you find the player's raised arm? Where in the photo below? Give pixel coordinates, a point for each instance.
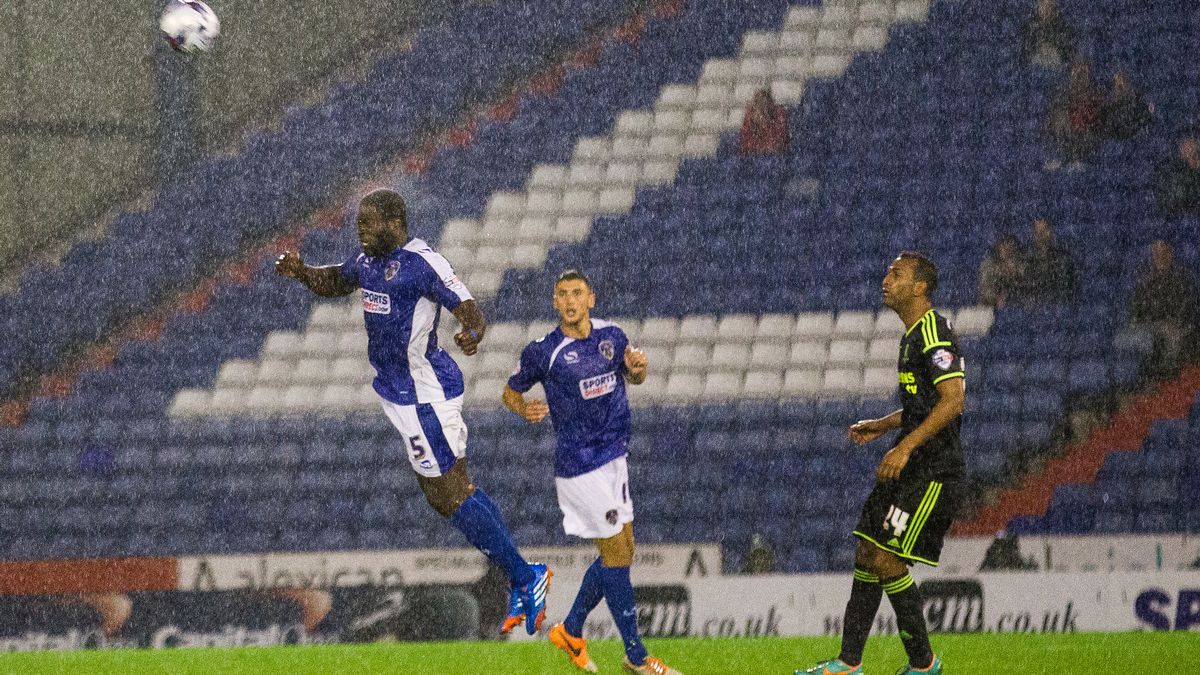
(473, 326)
(327, 281)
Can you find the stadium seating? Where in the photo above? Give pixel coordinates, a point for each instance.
(249, 424)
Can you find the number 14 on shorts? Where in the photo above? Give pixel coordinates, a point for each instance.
(896, 521)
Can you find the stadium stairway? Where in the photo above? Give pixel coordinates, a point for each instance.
(1125, 439)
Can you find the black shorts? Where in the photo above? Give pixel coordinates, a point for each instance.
(909, 518)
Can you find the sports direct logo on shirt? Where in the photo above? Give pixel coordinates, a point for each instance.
(376, 303)
(600, 385)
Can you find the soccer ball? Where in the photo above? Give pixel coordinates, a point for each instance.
(189, 25)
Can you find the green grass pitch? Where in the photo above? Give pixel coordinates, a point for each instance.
(992, 654)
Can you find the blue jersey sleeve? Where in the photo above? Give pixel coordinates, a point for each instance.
(349, 269)
(439, 280)
(531, 370)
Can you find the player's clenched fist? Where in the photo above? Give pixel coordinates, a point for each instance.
(635, 361)
(289, 264)
(467, 341)
(535, 411)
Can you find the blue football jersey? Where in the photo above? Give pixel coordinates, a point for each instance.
(585, 389)
(402, 295)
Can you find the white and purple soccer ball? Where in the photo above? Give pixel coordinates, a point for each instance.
(189, 25)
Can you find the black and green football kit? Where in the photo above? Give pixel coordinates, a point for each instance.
(911, 515)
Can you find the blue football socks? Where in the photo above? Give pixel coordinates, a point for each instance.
(480, 522)
(591, 591)
(618, 591)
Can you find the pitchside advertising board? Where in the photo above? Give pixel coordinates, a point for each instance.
(438, 595)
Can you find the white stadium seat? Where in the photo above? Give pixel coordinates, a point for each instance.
(709, 120)
(762, 384)
(973, 321)
(505, 204)
(837, 15)
(879, 379)
(883, 350)
(888, 324)
(495, 363)
(811, 325)
(660, 171)
(769, 356)
(622, 174)
(368, 397)
(802, 16)
(842, 380)
(869, 38)
(659, 358)
(664, 145)
(593, 149)
(264, 400)
(875, 13)
(629, 148)
(691, 358)
(758, 43)
(319, 343)
(719, 70)
(311, 371)
(274, 371)
(684, 386)
(498, 231)
(660, 331)
(541, 203)
(787, 92)
(190, 402)
(539, 329)
(775, 328)
(353, 343)
(354, 369)
(459, 232)
(722, 386)
(572, 228)
(698, 328)
(340, 397)
(635, 123)
(585, 175)
(282, 343)
(673, 122)
(801, 382)
(615, 200)
(914, 10)
(755, 70)
(526, 256)
(796, 43)
(854, 324)
(505, 337)
(331, 315)
(493, 257)
(579, 203)
(653, 390)
(237, 372)
(714, 95)
(486, 391)
(701, 145)
(738, 327)
(813, 354)
(833, 41)
(227, 400)
(731, 356)
(847, 351)
(535, 229)
(302, 397)
(830, 65)
(548, 176)
(677, 97)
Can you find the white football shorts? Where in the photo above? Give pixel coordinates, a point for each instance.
(435, 435)
(596, 505)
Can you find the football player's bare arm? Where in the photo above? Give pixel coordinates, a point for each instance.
(326, 281)
(473, 327)
(533, 411)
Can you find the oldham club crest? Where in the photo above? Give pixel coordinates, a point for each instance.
(607, 349)
(392, 269)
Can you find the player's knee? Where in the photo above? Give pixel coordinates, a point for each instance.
(864, 557)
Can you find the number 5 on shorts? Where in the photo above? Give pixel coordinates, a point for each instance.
(416, 448)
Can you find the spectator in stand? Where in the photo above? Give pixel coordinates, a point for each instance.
(1074, 124)
(1164, 304)
(1177, 181)
(1126, 112)
(1050, 273)
(764, 126)
(1046, 39)
(1002, 274)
